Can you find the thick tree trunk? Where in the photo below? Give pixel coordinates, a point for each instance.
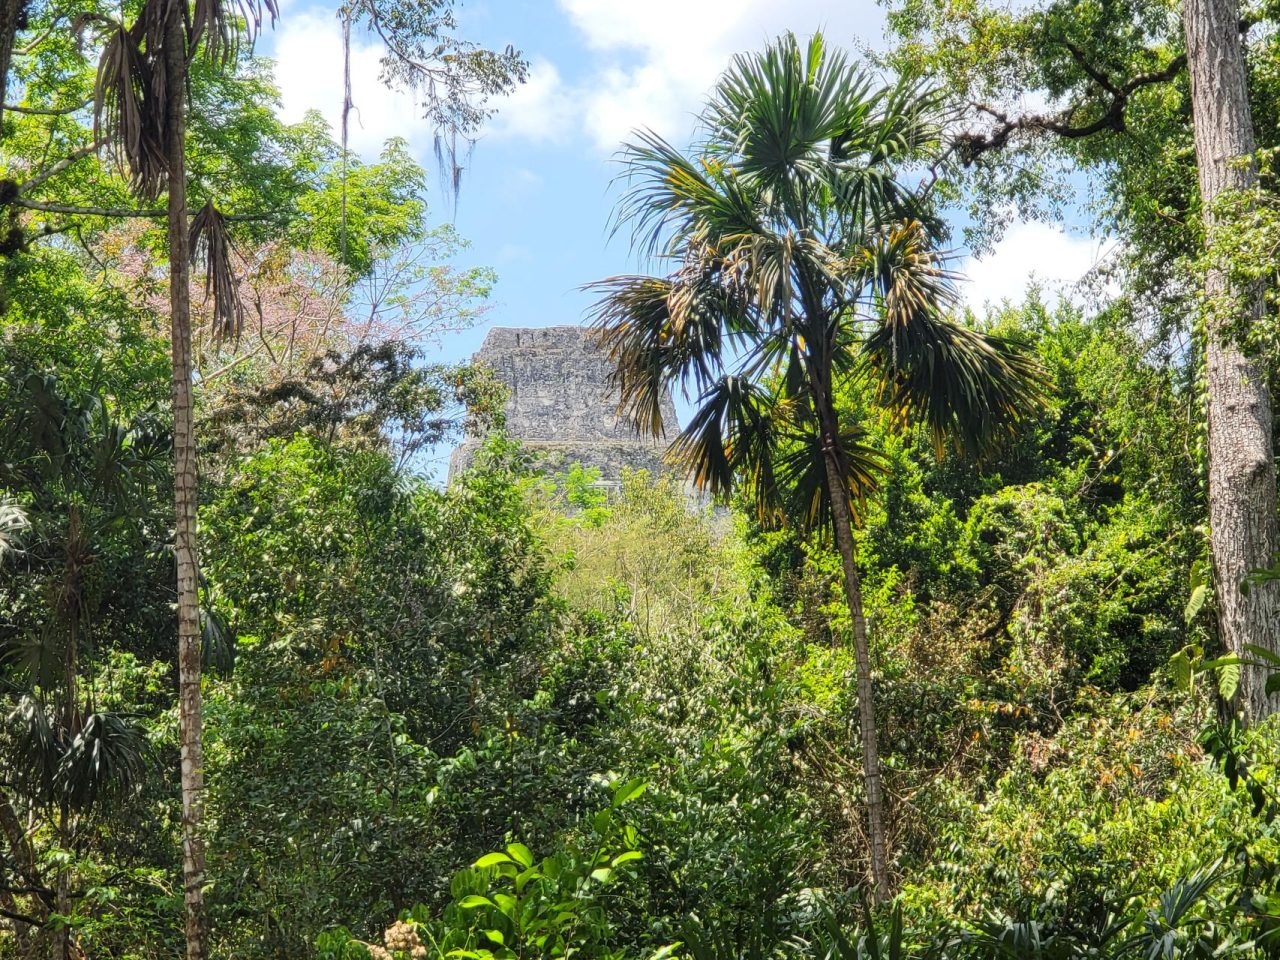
(11, 12)
(842, 523)
(1244, 534)
(184, 476)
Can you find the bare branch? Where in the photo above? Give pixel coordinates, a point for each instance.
(61, 165)
(48, 111)
(85, 210)
(970, 146)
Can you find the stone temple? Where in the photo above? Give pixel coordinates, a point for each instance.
(562, 406)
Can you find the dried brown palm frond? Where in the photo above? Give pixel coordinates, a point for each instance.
(127, 115)
(131, 95)
(214, 23)
(211, 243)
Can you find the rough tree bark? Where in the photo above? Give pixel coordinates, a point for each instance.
(842, 525)
(184, 477)
(1244, 533)
(11, 16)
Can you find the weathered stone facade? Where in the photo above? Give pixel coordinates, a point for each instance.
(562, 406)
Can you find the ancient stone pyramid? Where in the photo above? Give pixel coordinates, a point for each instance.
(562, 406)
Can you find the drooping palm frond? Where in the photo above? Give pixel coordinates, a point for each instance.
(732, 430)
(128, 113)
(133, 89)
(220, 25)
(213, 250)
(37, 746)
(633, 322)
(971, 390)
(107, 757)
(217, 643)
(745, 435)
(663, 332)
(804, 488)
(13, 523)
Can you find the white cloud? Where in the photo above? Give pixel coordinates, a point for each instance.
(308, 54)
(643, 72)
(541, 109)
(657, 60)
(1031, 253)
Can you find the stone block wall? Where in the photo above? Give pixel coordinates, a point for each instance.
(562, 405)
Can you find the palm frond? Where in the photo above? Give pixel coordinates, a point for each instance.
(37, 746)
(13, 523)
(904, 272)
(107, 757)
(671, 200)
(217, 643)
(732, 431)
(660, 332)
(801, 472)
(971, 390)
(777, 112)
(211, 241)
(213, 22)
(128, 94)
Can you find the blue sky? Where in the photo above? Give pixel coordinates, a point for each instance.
(537, 197)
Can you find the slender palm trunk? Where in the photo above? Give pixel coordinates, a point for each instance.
(1244, 534)
(842, 523)
(184, 476)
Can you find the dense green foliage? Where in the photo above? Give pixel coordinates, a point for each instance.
(423, 677)
(531, 716)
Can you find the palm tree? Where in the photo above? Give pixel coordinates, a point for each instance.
(88, 477)
(141, 103)
(800, 263)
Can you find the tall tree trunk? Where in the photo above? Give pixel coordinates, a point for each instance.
(11, 14)
(1244, 534)
(842, 523)
(184, 477)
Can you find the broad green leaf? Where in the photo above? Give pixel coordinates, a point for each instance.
(1196, 603)
(474, 900)
(492, 860)
(520, 854)
(629, 791)
(1229, 680)
(627, 857)
(523, 878)
(507, 904)
(1180, 664)
(1263, 654)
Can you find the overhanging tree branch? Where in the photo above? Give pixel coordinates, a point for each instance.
(48, 111)
(86, 211)
(61, 165)
(121, 212)
(969, 146)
